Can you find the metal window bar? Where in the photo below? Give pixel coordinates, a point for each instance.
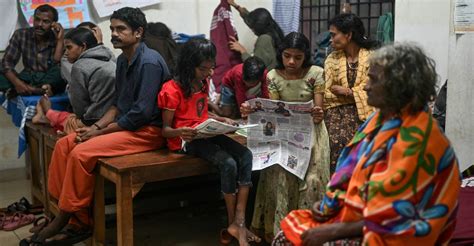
(312, 18)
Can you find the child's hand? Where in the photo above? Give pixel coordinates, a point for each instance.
(318, 114)
(245, 109)
(229, 121)
(187, 133)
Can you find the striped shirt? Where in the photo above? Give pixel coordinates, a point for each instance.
(287, 14)
(23, 44)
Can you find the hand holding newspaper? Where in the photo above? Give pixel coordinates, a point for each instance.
(211, 128)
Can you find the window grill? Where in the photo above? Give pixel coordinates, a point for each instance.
(315, 15)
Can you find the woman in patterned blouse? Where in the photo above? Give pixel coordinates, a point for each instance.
(345, 69)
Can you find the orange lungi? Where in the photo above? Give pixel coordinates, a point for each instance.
(71, 178)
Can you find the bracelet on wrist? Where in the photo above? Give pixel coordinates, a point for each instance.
(98, 127)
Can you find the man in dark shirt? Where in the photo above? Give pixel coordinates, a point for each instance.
(130, 126)
(41, 48)
(281, 109)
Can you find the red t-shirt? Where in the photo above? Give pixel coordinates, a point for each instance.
(188, 112)
(234, 79)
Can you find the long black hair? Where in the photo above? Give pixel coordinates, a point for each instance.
(87, 24)
(295, 40)
(82, 36)
(261, 22)
(191, 55)
(159, 29)
(351, 23)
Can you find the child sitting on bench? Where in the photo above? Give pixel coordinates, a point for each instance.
(92, 87)
(185, 104)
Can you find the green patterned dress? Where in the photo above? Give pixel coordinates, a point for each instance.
(279, 191)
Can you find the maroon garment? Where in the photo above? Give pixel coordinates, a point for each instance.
(234, 80)
(221, 30)
(464, 232)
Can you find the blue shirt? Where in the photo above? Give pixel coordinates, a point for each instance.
(138, 85)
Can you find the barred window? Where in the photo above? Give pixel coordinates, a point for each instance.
(315, 14)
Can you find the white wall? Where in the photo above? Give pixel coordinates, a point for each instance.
(427, 23)
(9, 143)
(460, 99)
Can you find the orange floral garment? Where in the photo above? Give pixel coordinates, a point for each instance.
(400, 176)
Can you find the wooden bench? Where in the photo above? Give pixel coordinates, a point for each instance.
(41, 140)
(129, 174)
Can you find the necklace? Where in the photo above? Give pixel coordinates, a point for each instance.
(353, 66)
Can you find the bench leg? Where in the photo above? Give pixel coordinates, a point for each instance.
(98, 237)
(124, 210)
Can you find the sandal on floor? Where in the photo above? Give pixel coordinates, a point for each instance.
(40, 223)
(18, 220)
(3, 219)
(23, 205)
(30, 208)
(225, 237)
(33, 240)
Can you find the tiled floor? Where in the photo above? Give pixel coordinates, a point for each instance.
(10, 192)
(194, 226)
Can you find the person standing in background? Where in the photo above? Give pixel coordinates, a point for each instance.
(269, 35)
(346, 73)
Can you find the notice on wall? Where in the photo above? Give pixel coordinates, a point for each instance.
(464, 16)
(107, 7)
(71, 12)
(9, 13)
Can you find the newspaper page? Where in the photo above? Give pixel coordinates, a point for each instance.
(284, 135)
(211, 128)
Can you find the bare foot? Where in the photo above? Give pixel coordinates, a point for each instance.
(63, 233)
(47, 89)
(51, 229)
(45, 103)
(39, 117)
(48, 231)
(242, 234)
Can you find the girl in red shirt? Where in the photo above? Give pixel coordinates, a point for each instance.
(185, 105)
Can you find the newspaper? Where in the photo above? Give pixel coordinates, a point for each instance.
(211, 128)
(284, 135)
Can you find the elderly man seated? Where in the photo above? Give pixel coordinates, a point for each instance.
(397, 182)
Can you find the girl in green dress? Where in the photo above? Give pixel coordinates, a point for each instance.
(278, 192)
